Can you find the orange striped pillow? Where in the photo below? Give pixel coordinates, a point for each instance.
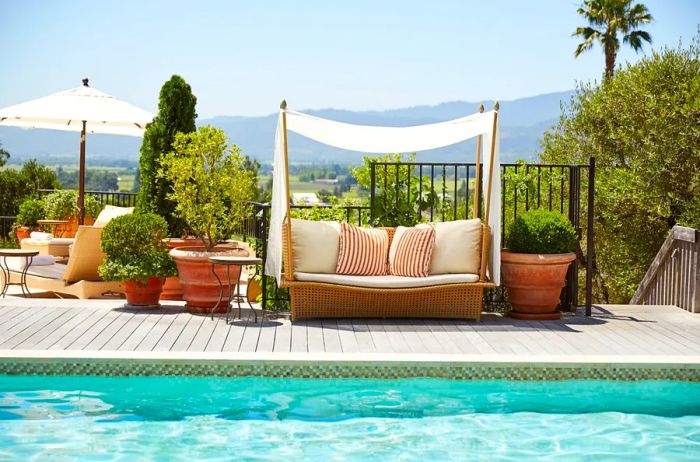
(363, 251)
(411, 251)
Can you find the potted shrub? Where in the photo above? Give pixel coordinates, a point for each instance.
(63, 205)
(534, 265)
(30, 211)
(136, 254)
(211, 187)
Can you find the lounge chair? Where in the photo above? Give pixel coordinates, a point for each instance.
(79, 277)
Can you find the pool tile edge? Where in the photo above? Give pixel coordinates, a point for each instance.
(309, 365)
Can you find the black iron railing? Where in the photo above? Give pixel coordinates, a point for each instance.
(6, 223)
(120, 199)
(448, 191)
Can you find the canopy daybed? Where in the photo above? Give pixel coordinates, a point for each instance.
(331, 295)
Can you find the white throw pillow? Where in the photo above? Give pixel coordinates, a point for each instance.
(315, 245)
(109, 212)
(457, 247)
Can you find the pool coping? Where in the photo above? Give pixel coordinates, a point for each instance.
(351, 365)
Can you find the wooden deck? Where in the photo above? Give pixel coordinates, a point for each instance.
(103, 325)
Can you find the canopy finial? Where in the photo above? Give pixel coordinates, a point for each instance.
(481, 108)
(85, 82)
(496, 106)
(283, 104)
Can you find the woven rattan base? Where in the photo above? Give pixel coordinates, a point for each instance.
(319, 300)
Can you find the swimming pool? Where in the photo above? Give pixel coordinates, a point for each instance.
(187, 418)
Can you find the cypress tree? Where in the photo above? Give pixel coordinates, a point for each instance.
(176, 113)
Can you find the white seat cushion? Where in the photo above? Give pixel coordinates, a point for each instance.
(54, 241)
(387, 282)
(315, 245)
(109, 212)
(457, 247)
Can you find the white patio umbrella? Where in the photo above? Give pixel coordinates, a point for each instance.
(82, 109)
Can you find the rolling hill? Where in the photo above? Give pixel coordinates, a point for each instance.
(522, 123)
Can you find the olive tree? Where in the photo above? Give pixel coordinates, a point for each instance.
(643, 128)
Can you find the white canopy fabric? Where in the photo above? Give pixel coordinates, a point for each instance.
(370, 139)
(68, 109)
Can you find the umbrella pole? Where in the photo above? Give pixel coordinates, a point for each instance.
(81, 178)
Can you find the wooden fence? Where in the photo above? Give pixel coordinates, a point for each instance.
(673, 277)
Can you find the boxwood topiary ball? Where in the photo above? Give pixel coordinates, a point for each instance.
(541, 231)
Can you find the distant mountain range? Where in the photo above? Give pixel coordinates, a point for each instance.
(522, 123)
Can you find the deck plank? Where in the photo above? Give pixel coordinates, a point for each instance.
(203, 335)
(331, 337)
(346, 335)
(314, 335)
(614, 330)
(266, 341)
(39, 325)
(90, 334)
(49, 328)
(110, 331)
(154, 336)
(187, 333)
(79, 329)
(379, 336)
(283, 336)
(141, 332)
(365, 344)
(59, 332)
(300, 342)
(234, 337)
(219, 336)
(170, 336)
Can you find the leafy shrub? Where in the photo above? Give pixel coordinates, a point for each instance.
(541, 231)
(30, 211)
(60, 205)
(211, 185)
(135, 248)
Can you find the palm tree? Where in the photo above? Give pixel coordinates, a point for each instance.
(607, 18)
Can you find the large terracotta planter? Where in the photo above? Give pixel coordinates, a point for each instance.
(200, 288)
(140, 294)
(23, 232)
(534, 283)
(69, 229)
(172, 290)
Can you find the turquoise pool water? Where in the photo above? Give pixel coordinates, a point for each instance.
(182, 418)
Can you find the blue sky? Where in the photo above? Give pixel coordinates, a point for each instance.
(242, 57)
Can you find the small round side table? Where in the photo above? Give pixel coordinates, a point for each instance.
(54, 224)
(228, 262)
(28, 257)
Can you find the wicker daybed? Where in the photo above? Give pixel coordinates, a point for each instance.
(342, 296)
(315, 299)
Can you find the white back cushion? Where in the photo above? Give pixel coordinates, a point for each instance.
(315, 245)
(109, 212)
(457, 247)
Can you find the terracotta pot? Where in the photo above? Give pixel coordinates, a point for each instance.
(138, 293)
(534, 283)
(23, 232)
(68, 230)
(200, 288)
(172, 290)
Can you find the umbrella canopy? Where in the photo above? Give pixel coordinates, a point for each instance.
(82, 109)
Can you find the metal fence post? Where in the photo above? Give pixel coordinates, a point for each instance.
(373, 184)
(590, 251)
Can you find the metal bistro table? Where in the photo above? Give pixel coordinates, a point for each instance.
(228, 262)
(28, 257)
